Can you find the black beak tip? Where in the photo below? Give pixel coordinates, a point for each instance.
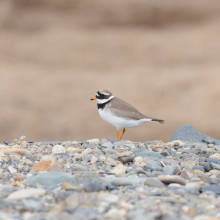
(91, 99)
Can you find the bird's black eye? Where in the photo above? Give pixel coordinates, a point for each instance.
(100, 94)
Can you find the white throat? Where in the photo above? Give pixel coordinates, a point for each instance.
(102, 101)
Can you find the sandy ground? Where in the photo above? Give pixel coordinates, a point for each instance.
(53, 59)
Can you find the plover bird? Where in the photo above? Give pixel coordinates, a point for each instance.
(119, 113)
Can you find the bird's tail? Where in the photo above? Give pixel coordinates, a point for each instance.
(158, 120)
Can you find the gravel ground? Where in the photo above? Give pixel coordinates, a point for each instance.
(106, 179)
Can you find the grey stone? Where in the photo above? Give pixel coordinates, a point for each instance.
(153, 167)
(32, 206)
(126, 159)
(93, 187)
(213, 188)
(216, 147)
(215, 166)
(49, 180)
(170, 169)
(157, 173)
(88, 145)
(86, 212)
(187, 133)
(107, 144)
(79, 167)
(85, 176)
(199, 167)
(52, 143)
(152, 142)
(207, 166)
(151, 182)
(6, 190)
(124, 143)
(213, 160)
(124, 181)
(149, 154)
(86, 157)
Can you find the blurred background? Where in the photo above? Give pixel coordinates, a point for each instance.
(163, 57)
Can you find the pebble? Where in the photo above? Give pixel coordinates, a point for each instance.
(49, 180)
(153, 183)
(119, 169)
(170, 169)
(26, 193)
(125, 154)
(44, 166)
(212, 188)
(215, 166)
(93, 187)
(58, 149)
(138, 159)
(101, 178)
(107, 144)
(74, 150)
(94, 141)
(167, 179)
(198, 167)
(12, 170)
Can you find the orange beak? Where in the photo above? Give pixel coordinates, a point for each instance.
(93, 99)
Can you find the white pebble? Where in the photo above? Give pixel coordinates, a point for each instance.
(12, 170)
(57, 149)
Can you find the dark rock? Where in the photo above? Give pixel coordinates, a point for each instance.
(126, 159)
(199, 167)
(164, 154)
(93, 187)
(207, 166)
(107, 173)
(111, 187)
(187, 133)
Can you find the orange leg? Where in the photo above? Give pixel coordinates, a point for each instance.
(122, 133)
(118, 134)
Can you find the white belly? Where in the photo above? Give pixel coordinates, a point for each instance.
(118, 122)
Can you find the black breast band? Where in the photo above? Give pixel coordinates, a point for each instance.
(102, 106)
